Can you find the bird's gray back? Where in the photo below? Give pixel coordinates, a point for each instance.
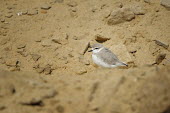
(107, 56)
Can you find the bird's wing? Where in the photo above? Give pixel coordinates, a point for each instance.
(108, 56)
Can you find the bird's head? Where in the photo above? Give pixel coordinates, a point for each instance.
(96, 48)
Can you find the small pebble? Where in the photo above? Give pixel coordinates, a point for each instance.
(35, 57)
(100, 38)
(46, 43)
(22, 52)
(11, 62)
(24, 12)
(10, 7)
(57, 40)
(47, 70)
(160, 58)
(14, 68)
(119, 4)
(73, 9)
(43, 11)
(2, 20)
(161, 44)
(45, 7)
(20, 46)
(9, 15)
(32, 12)
(81, 71)
(40, 69)
(72, 4)
(147, 1)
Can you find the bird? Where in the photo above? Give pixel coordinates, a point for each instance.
(103, 57)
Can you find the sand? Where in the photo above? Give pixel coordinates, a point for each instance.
(45, 66)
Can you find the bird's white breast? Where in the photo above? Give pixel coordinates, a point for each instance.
(100, 62)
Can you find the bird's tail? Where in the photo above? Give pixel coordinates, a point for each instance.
(122, 64)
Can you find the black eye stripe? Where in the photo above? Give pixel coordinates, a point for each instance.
(96, 48)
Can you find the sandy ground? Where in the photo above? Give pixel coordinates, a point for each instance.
(45, 66)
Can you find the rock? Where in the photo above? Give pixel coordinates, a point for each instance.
(60, 109)
(11, 62)
(51, 93)
(100, 38)
(65, 36)
(44, 11)
(21, 46)
(35, 57)
(32, 102)
(119, 4)
(14, 68)
(106, 14)
(84, 47)
(165, 3)
(160, 58)
(10, 7)
(32, 12)
(76, 38)
(128, 15)
(57, 40)
(9, 15)
(40, 69)
(47, 70)
(38, 39)
(94, 9)
(120, 15)
(121, 52)
(73, 14)
(73, 9)
(72, 4)
(46, 43)
(164, 45)
(133, 50)
(45, 7)
(24, 12)
(61, 41)
(138, 9)
(147, 1)
(22, 52)
(2, 20)
(81, 71)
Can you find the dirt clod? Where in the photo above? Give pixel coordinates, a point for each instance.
(100, 38)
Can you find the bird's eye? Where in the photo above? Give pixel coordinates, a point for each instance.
(96, 48)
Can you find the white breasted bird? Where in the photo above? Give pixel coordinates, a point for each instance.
(104, 57)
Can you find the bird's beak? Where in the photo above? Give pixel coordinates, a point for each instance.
(90, 50)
